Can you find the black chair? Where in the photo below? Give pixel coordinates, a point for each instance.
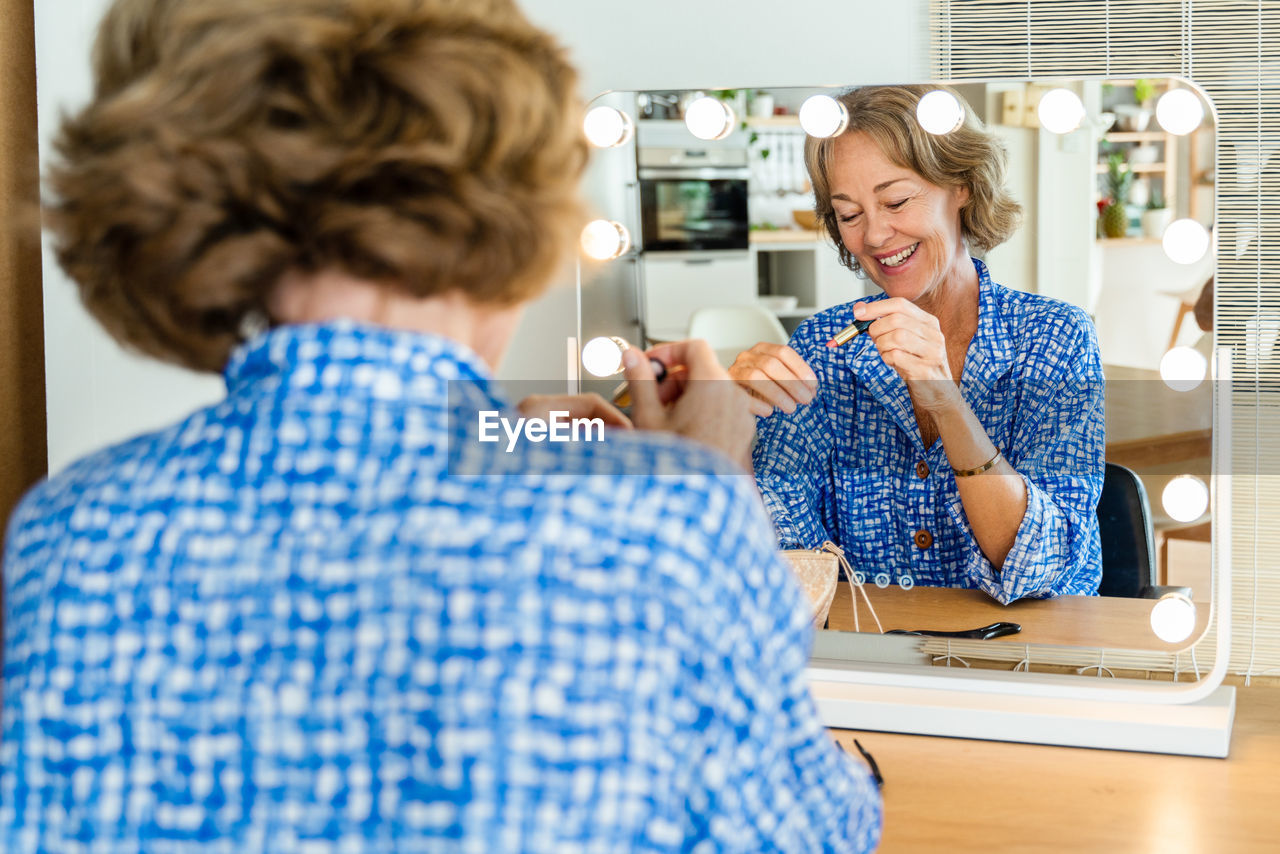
(1128, 541)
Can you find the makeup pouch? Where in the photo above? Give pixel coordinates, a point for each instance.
(818, 571)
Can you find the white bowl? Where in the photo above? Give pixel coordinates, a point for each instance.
(1131, 117)
(1144, 154)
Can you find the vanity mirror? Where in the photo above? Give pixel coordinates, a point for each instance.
(724, 245)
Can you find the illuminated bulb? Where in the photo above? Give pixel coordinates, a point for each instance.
(603, 356)
(607, 127)
(1179, 111)
(1183, 368)
(1185, 241)
(822, 116)
(709, 118)
(939, 112)
(605, 240)
(1060, 111)
(1173, 617)
(1185, 498)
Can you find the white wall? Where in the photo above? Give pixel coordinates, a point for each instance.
(98, 394)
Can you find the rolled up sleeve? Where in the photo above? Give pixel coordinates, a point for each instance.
(1059, 450)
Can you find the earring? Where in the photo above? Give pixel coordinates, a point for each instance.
(253, 323)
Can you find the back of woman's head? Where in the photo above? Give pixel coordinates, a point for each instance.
(432, 145)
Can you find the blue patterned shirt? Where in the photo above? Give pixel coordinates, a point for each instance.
(318, 616)
(851, 466)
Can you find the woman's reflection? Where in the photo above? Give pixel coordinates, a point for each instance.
(959, 443)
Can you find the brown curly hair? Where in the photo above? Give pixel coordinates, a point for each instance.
(431, 145)
(970, 157)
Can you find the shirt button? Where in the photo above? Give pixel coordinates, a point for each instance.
(923, 539)
(922, 469)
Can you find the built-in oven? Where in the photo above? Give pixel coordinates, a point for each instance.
(693, 199)
(694, 234)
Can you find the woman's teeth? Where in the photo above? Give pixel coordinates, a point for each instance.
(895, 260)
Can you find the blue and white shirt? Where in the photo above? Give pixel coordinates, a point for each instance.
(304, 620)
(851, 466)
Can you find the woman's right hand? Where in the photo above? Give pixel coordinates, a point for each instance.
(775, 376)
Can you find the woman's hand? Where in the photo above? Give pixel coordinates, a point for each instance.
(911, 342)
(697, 400)
(775, 376)
(577, 405)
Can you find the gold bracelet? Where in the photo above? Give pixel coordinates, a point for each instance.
(989, 464)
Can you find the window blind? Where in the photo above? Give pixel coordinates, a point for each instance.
(1231, 50)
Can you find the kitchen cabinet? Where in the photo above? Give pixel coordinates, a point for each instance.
(804, 265)
(676, 284)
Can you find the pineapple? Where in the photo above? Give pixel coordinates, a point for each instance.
(1115, 220)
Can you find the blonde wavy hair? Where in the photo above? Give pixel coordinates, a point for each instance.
(969, 157)
(431, 145)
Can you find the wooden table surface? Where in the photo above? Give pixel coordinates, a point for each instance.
(981, 797)
(1092, 621)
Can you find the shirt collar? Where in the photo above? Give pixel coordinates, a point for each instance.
(989, 357)
(356, 359)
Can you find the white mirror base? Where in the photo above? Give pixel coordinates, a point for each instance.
(1201, 728)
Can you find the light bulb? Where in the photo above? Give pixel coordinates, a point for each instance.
(1183, 368)
(1185, 498)
(1185, 241)
(1060, 111)
(709, 118)
(604, 239)
(939, 112)
(603, 356)
(607, 127)
(1173, 617)
(1179, 111)
(822, 116)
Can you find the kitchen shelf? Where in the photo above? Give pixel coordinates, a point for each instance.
(783, 235)
(773, 122)
(1134, 136)
(1127, 241)
(1101, 168)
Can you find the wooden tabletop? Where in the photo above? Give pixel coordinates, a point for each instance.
(984, 797)
(1092, 621)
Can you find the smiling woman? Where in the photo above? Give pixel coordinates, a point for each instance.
(961, 439)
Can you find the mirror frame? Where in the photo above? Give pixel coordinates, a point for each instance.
(996, 691)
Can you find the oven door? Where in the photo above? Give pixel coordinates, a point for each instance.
(690, 210)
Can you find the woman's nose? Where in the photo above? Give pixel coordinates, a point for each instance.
(878, 230)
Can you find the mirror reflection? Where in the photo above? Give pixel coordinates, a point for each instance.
(1000, 432)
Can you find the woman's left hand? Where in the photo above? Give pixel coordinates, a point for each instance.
(911, 342)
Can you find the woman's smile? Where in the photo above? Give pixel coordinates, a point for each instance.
(895, 262)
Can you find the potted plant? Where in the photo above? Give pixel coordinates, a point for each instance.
(761, 104)
(1156, 218)
(1115, 219)
(1137, 116)
(1143, 91)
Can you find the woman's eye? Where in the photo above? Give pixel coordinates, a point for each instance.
(850, 217)
(895, 205)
